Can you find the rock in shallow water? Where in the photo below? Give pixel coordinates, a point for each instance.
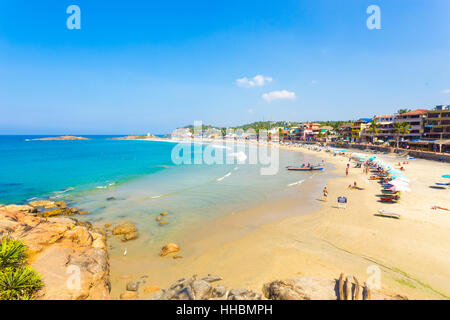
(133, 286)
(169, 248)
(124, 228)
(129, 236)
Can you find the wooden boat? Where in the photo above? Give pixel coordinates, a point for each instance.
(387, 214)
(390, 199)
(304, 168)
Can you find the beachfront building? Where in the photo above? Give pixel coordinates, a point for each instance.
(181, 133)
(437, 123)
(345, 132)
(307, 131)
(385, 126)
(285, 134)
(359, 129)
(415, 119)
(326, 129)
(276, 134)
(212, 133)
(304, 131)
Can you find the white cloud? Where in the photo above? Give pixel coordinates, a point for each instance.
(445, 91)
(256, 81)
(314, 81)
(250, 111)
(276, 95)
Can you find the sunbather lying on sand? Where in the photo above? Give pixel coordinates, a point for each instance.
(436, 207)
(354, 186)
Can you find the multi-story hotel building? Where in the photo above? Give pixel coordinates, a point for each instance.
(415, 119)
(437, 123)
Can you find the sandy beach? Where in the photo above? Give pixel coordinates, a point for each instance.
(412, 253)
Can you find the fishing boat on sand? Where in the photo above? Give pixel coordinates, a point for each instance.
(319, 168)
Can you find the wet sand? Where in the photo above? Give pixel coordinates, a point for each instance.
(259, 245)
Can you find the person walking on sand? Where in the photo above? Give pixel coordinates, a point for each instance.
(346, 171)
(325, 193)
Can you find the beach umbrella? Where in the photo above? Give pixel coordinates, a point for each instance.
(402, 188)
(446, 176)
(400, 179)
(398, 183)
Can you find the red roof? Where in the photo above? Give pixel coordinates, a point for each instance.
(414, 112)
(388, 116)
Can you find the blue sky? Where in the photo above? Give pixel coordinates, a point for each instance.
(151, 66)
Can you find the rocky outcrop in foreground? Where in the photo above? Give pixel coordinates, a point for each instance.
(70, 255)
(300, 288)
(314, 288)
(203, 289)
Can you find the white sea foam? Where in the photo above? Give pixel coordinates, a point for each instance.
(225, 176)
(107, 186)
(295, 183)
(65, 190)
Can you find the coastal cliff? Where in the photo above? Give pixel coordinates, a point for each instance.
(70, 255)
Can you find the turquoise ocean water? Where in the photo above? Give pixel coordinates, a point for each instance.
(144, 181)
(46, 168)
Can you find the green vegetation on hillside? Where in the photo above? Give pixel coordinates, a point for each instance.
(267, 125)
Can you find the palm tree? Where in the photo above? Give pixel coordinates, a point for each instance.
(401, 128)
(373, 129)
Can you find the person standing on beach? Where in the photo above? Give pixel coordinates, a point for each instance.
(325, 193)
(346, 171)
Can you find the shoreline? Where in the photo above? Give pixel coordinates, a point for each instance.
(194, 240)
(313, 238)
(325, 242)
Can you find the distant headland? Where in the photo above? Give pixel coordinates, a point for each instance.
(135, 137)
(61, 138)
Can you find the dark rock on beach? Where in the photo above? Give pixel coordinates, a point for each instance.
(127, 230)
(219, 291)
(196, 289)
(211, 278)
(313, 288)
(133, 286)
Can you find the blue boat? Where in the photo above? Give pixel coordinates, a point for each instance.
(304, 168)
